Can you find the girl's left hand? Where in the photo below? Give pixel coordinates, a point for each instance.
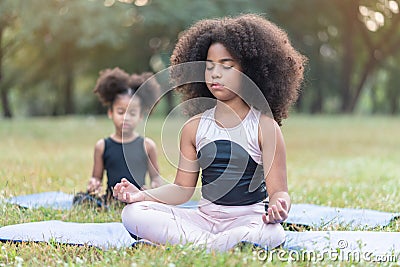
(276, 213)
(127, 192)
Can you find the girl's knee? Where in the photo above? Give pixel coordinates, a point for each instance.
(278, 235)
(132, 211)
(134, 217)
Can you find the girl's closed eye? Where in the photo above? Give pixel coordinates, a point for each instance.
(210, 65)
(225, 65)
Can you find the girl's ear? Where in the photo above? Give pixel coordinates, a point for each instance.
(109, 112)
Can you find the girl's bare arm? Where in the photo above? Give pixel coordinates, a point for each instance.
(94, 185)
(274, 162)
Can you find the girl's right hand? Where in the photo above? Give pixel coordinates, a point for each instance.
(127, 192)
(94, 185)
(276, 213)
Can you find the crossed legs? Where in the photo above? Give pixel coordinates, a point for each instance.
(211, 226)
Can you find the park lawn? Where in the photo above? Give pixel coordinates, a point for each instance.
(339, 161)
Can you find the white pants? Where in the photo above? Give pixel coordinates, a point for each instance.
(215, 227)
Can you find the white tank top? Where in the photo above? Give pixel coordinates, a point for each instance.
(245, 134)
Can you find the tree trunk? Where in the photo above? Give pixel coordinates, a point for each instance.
(368, 69)
(316, 106)
(348, 57)
(5, 104)
(374, 101)
(69, 92)
(394, 105)
(393, 92)
(4, 91)
(69, 107)
(318, 77)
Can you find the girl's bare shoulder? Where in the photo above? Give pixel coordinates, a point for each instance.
(191, 125)
(148, 142)
(193, 122)
(267, 120)
(100, 144)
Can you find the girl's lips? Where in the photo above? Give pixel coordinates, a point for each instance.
(217, 86)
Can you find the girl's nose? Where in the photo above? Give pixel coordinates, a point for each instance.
(216, 73)
(127, 117)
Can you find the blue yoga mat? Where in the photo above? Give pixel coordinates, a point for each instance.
(58, 200)
(314, 215)
(102, 235)
(300, 214)
(54, 200)
(114, 235)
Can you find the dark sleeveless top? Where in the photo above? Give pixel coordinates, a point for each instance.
(227, 174)
(133, 167)
(231, 161)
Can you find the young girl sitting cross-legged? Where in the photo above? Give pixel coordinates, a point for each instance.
(124, 154)
(236, 144)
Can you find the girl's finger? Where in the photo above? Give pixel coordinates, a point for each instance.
(265, 218)
(281, 210)
(283, 204)
(125, 182)
(284, 209)
(277, 214)
(279, 206)
(116, 190)
(271, 215)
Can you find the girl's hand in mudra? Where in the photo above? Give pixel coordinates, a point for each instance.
(276, 213)
(125, 191)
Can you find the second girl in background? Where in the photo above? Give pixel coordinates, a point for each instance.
(116, 89)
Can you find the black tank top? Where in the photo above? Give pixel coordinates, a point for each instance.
(133, 167)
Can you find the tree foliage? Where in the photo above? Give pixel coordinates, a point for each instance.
(52, 50)
(348, 43)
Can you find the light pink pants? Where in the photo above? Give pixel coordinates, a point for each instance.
(211, 226)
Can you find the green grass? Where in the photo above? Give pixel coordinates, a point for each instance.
(344, 161)
(340, 161)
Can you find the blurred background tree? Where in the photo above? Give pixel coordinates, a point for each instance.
(348, 44)
(51, 51)
(8, 17)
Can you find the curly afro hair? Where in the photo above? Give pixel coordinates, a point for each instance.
(262, 49)
(149, 91)
(110, 84)
(116, 82)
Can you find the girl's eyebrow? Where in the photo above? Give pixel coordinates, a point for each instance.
(222, 60)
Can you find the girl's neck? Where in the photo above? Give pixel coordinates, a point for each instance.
(230, 114)
(124, 138)
(236, 107)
